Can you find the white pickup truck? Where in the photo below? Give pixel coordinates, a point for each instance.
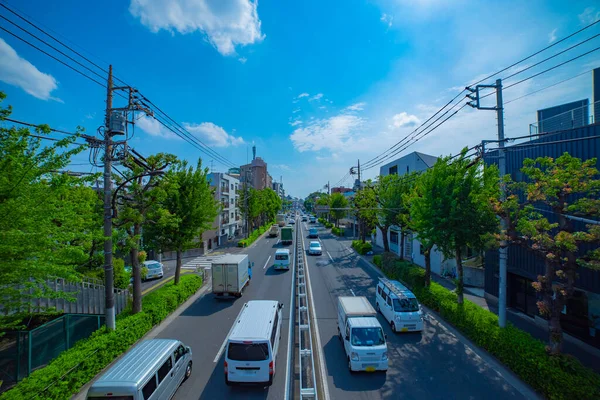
(362, 335)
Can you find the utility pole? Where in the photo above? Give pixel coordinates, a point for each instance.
(503, 250)
(109, 307)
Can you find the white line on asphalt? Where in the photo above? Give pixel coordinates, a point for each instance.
(267, 262)
(288, 367)
(220, 353)
(313, 316)
(278, 240)
(331, 258)
(352, 291)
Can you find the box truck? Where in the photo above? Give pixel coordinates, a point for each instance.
(230, 275)
(274, 231)
(287, 235)
(362, 335)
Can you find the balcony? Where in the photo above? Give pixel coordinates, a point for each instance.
(224, 220)
(238, 218)
(225, 205)
(224, 189)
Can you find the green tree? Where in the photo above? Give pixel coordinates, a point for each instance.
(365, 206)
(338, 200)
(188, 209)
(569, 188)
(404, 186)
(388, 195)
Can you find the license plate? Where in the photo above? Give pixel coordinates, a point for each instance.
(370, 369)
(404, 330)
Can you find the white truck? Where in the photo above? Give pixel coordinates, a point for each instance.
(362, 335)
(230, 275)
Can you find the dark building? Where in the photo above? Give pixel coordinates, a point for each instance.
(596, 94)
(564, 116)
(581, 317)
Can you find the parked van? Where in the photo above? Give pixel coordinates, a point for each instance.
(282, 259)
(253, 343)
(399, 306)
(153, 369)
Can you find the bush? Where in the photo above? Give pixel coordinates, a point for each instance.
(360, 247)
(255, 234)
(377, 260)
(337, 231)
(555, 377)
(67, 373)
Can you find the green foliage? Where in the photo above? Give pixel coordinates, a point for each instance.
(337, 231)
(66, 374)
(259, 206)
(555, 377)
(255, 235)
(362, 248)
(338, 200)
(120, 275)
(377, 260)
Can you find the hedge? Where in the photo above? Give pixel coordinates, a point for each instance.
(377, 260)
(69, 372)
(555, 377)
(360, 247)
(255, 235)
(337, 231)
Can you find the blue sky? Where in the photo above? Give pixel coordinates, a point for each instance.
(315, 85)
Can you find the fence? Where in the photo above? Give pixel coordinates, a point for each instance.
(22, 352)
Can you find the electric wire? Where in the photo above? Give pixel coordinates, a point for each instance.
(547, 87)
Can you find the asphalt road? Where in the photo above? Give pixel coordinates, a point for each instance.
(204, 326)
(433, 364)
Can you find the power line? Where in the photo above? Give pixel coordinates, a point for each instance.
(547, 87)
(37, 126)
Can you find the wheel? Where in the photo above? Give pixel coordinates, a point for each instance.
(227, 381)
(393, 326)
(377, 307)
(188, 370)
(270, 381)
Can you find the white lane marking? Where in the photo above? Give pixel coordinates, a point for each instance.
(352, 291)
(313, 316)
(331, 258)
(220, 353)
(267, 262)
(288, 367)
(278, 240)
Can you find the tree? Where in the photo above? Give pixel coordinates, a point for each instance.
(460, 214)
(365, 204)
(140, 191)
(388, 196)
(405, 185)
(188, 209)
(338, 200)
(541, 212)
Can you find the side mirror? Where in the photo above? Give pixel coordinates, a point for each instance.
(385, 336)
(347, 338)
(280, 306)
(188, 350)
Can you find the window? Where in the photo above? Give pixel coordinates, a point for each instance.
(164, 370)
(379, 290)
(149, 388)
(274, 331)
(421, 249)
(389, 301)
(281, 256)
(407, 169)
(394, 237)
(406, 305)
(231, 215)
(367, 337)
(394, 170)
(180, 352)
(347, 331)
(232, 186)
(384, 295)
(248, 351)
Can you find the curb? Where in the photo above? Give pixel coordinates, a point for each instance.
(163, 282)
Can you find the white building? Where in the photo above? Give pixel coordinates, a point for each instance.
(228, 222)
(413, 162)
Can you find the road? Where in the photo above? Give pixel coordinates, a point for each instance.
(433, 364)
(204, 326)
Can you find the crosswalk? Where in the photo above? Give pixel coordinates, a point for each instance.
(202, 261)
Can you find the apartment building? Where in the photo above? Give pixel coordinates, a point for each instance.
(228, 221)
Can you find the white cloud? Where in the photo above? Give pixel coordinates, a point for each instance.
(316, 97)
(387, 19)
(589, 15)
(225, 24)
(154, 128)
(282, 167)
(296, 123)
(301, 95)
(242, 60)
(19, 72)
(404, 120)
(552, 35)
(296, 110)
(322, 108)
(356, 106)
(332, 133)
(213, 135)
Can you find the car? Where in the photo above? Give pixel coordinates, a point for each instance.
(304, 218)
(155, 269)
(313, 233)
(313, 220)
(292, 222)
(315, 248)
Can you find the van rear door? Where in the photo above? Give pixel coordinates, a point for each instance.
(232, 284)
(218, 278)
(249, 361)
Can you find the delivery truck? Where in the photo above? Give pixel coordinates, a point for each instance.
(362, 335)
(230, 274)
(287, 235)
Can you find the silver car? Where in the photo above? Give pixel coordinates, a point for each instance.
(315, 248)
(155, 269)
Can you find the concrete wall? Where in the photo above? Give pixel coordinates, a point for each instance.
(474, 276)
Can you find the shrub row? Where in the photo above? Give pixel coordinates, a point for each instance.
(555, 377)
(377, 260)
(67, 373)
(337, 231)
(360, 247)
(255, 235)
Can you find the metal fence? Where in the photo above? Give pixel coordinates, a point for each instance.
(22, 352)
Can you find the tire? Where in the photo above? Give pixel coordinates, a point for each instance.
(377, 307)
(270, 383)
(227, 381)
(188, 371)
(393, 326)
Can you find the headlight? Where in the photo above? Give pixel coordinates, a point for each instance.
(354, 356)
(384, 356)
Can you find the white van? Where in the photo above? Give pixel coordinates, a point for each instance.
(253, 343)
(152, 370)
(399, 306)
(282, 259)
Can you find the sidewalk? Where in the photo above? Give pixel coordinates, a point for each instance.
(588, 355)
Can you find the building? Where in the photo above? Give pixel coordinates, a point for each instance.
(596, 95)
(341, 189)
(228, 222)
(235, 172)
(278, 188)
(564, 116)
(255, 173)
(581, 316)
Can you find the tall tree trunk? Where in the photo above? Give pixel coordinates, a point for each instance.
(178, 267)
(137, 273)
(459, 272)
(402, 236)
(553, 302)
(427, 266)
(386, 243)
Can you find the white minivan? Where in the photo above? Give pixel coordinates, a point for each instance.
(282, 259)
(252, 345)
(399, 306)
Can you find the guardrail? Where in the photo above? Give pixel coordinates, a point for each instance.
(308, 384)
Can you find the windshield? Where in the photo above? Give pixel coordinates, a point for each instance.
(406, 305)
(153, 266)
(281, 256)
(248, 351)
(315, 245)
(367, 337)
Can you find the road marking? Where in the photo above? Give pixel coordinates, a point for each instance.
(278, 240)
(288, 366)
(313, 316)
(267, 262)
(220, 353)
(331, 258)
(170, 278)
(352, 291)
